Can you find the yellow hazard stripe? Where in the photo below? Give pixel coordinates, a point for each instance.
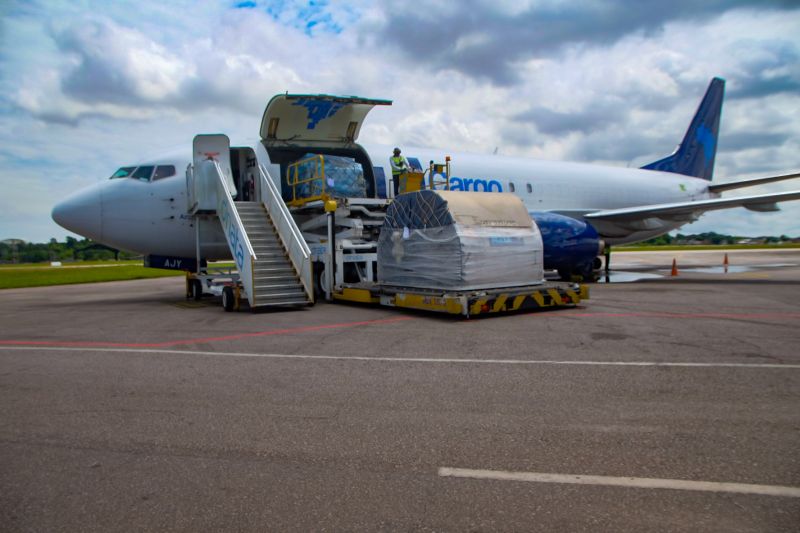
(500, 303)
(476, 307)
(556, 298)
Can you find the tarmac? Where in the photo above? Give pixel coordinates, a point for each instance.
(663, 403)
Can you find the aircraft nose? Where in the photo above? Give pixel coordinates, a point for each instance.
(81, 213)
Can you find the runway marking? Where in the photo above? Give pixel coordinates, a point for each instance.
(612, 481)
(305, 329)
(300, 329)
(385, 359)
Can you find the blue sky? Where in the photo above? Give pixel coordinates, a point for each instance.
(86, 86)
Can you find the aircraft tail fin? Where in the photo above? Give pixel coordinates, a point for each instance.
(695, 155)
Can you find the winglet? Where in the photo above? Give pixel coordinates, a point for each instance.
(695, 155)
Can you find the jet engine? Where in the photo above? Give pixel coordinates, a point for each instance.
(570, 246)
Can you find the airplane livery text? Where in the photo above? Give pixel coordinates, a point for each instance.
(476, 185)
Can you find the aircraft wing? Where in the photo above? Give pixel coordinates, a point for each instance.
(720, 187)
(691, 210)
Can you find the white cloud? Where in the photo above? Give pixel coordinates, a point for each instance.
(85, 87)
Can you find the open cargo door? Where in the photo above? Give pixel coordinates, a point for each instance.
(314, 120)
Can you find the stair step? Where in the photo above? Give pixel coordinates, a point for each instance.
(269, 251)
(276, 286)
(267, 297)
(275, 278)
(272, 260)
(273, 269)
(287, 303)
(257, 225)
(277, 253)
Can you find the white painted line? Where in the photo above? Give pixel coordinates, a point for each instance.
(635, 482)
(379, 359)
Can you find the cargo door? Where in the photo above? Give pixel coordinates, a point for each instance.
(315, 120)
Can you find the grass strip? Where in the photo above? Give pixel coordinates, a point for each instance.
(16, 278)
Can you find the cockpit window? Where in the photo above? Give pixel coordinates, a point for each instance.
(164, 171)
(143, 173)
(124, 172)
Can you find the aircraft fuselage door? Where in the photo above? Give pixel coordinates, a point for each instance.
(217, 147)
(322, 120)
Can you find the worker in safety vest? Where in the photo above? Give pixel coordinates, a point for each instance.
(399, 166)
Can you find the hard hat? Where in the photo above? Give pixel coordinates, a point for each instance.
(396, 149)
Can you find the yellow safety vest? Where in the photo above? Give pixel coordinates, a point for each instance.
(397, 162)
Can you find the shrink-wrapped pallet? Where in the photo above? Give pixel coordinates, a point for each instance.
(343, 177)
(459, 241)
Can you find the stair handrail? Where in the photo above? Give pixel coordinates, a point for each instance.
(235, 234)
(289, 233)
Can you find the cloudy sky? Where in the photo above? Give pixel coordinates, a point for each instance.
(86, 86)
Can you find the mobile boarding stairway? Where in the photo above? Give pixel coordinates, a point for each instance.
(272, 260)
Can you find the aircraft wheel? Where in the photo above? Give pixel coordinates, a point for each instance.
(197, 289)
(228, 299)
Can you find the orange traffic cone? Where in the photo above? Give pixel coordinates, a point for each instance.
(725, 263)
(674, 267)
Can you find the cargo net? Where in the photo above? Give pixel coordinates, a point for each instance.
(343, 177)
(422, 244)
(421, 210)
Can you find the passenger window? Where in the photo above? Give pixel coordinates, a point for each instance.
(143, 173)
(124, 172)
(529, 187)
(511, 186)
(164, 171)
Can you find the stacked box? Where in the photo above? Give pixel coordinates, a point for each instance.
(459, 241)
(344, 177)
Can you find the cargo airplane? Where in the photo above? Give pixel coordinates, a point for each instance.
(579, 208)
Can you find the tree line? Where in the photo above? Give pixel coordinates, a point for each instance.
(711, 238)
(72, 249)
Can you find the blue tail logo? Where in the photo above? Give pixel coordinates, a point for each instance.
(695, 155)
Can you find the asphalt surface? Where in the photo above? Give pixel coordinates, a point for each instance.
(125, 407)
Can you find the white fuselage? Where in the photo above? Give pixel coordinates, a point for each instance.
(151, 217)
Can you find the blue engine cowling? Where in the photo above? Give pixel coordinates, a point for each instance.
(570, 245)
